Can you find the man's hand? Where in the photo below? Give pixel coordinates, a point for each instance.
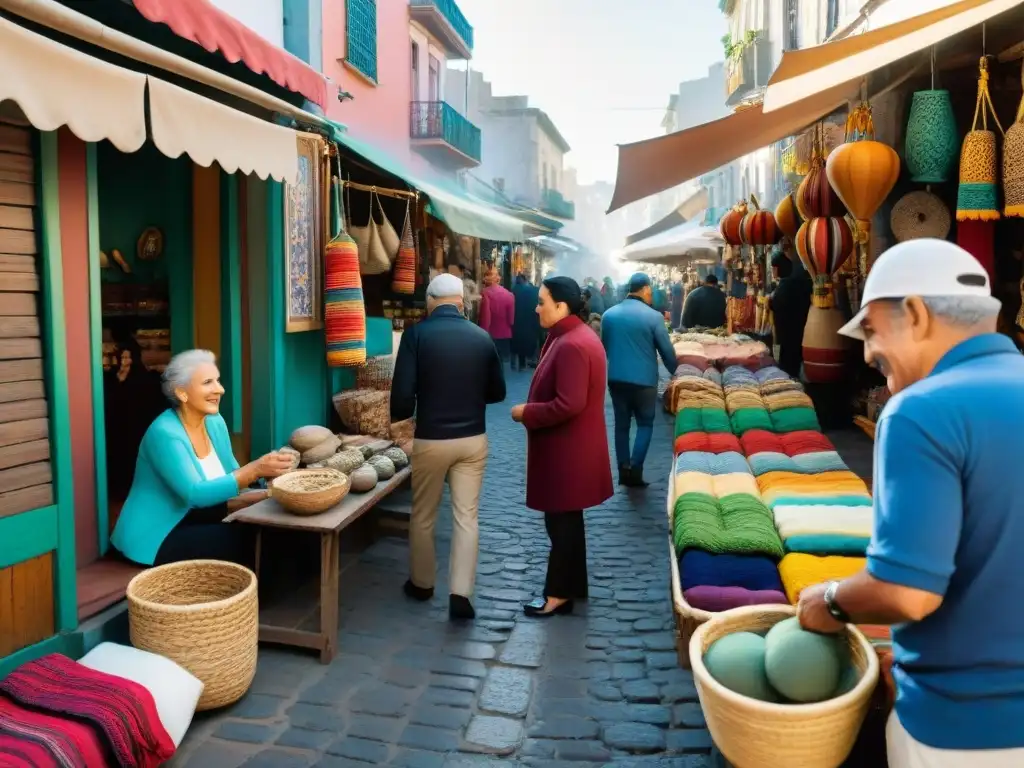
(517, 413)
(813, 612)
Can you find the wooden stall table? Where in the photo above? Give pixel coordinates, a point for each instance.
(328, 525)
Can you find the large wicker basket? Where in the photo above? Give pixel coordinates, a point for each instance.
(204, 615)
(303, 502)
(754, 734)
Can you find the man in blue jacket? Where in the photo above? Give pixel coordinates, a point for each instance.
(634, 335)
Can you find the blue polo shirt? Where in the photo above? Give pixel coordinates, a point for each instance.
(949, 519)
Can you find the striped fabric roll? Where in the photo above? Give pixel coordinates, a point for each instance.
(804, 464)
(344, 310)
(712, 463)
(774, 485)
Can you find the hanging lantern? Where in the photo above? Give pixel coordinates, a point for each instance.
(759, 227)
(787, 217)
(815, 198)
(978, 197)
(824, 245)
(932, 139)
(731, 222)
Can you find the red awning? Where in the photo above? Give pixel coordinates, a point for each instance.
(213, 29)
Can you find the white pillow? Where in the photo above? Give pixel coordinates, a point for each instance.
(174, 689)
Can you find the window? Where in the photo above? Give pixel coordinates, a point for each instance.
(792, 22)
(361, 36)
(434, 79)
(415, 71)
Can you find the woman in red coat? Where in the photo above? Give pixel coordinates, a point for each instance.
(567, 466)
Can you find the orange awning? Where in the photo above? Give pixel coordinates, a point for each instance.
(811, 70)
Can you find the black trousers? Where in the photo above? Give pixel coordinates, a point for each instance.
(202, 535)
(567, 563)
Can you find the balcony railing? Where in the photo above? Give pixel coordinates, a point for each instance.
(450, 10)
(552, 202)
(748, 71)
(439, 120)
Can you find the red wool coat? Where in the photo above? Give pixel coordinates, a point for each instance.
(567, 463)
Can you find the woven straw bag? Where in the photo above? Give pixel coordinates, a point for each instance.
(373, 250)
(344, 311)
(920, 214)
(1013, 164)
(403, 279)
(978, 195)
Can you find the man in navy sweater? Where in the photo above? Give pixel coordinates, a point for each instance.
(944, 563)
(634, 335)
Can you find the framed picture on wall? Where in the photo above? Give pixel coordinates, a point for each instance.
(304, 231)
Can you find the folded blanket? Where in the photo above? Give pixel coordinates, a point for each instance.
(799, 571)
(685, 369)
(773, 386)
(828, 544)
(703, 569)
(805, 463)
(33, 739)
(779, 401)
(715, 599)
(772, 373)
(702, 420)
(746, 419)
(697, 361)
(805, 520)
(694, 383)
(794, 420)
(791, 444)
(735, 376)
(742, 398)
(712, 463)
(824, 485)
(714, 442)
(714, 375)
(121, 711)
(716, 486)
(735, 524)
(775, 499)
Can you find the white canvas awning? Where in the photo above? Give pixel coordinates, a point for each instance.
(689, 239)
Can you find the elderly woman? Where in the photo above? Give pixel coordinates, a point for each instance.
(568, 468)
(186, 477)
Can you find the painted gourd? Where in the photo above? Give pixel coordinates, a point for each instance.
(307, 438)
(323, 451)
(759, 228)
(787, 217)
(346, 461)
(363, 478)
(384, 466)
(729, 226)
(398, 457)
(815, 197)
(823, 245)
(863, 174)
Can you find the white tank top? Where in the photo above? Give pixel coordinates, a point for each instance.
(211, 466)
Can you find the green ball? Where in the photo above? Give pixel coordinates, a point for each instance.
(803, 666)
(784, 626)
(848, 680)
(737, 661)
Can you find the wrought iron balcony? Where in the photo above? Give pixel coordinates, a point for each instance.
(445, 21)
(748, 71)
(435, 126)
(554, 203)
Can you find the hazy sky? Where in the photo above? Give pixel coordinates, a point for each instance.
(602, 69)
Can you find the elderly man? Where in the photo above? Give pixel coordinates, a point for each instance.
(944, 563)
(447, 372)
(634, 336)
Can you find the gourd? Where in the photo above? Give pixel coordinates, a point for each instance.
(292, 454)
(307, 438)
(384, 466)
(731, 223)
(398, 457)
(322, 451)
(363, 479)
(346, 461)
(787, 217)
(366, 451)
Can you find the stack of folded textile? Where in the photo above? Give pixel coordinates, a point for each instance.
(691, 353)
(692, 392)
(702, 420)
(713, 442)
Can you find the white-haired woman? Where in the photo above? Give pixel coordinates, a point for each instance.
(187, 479)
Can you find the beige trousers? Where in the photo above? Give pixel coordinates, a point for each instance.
(906, 752)
(462, 462)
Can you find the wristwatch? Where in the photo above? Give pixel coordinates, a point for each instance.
(833, 607)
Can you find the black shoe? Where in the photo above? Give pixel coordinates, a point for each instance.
(460, 609)
(635, 478)
(625, 474)
(535, 608)
(423, 594)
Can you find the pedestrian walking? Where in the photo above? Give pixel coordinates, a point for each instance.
(567, 467)
(447, 372)
(526, 324)
(943, 566)
(705, 306)
(594, 301)
(790, 303)
(497, 314)
(634, 336)
(676, 313)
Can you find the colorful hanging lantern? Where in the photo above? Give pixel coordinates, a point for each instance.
(932, 139)
(824, 245)
(815, 198)
(978, 197)
(787, 217)
(731, 222)
(758, 226)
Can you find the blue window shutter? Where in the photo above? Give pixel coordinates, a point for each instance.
(361, 36)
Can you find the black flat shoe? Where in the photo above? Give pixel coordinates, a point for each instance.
(460, 609)
(625, 474)
(635, 478)
(423, 594)
(535, 608)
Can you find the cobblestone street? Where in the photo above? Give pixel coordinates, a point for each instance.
(409, 688)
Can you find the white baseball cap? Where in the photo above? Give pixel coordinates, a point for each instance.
(445, 286)
(925, 267)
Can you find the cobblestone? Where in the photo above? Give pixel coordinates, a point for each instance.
(410, 689)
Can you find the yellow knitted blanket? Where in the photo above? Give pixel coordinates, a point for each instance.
(799, 571)
(781, 385)
(778, 401)
(742, 398)
(840, 483)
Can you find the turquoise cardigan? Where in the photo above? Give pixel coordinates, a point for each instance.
(168, 483)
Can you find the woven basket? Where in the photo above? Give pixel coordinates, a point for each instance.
(203, 615)
(920, 214)
(300, 502)
(754, 734)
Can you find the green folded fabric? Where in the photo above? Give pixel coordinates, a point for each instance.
(795, 420)
(736, 524)
(701, 420)
(828, 544)
(746, 419)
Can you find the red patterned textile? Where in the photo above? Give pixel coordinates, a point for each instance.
(707, 442)
(791, 444)
(33, 739)
(122, 712)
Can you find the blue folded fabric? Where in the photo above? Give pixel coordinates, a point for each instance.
(827, 544)
(770, 373)
(804, 463)
(698, 568)
(735, 375)
(685, 369)
(711, 463)
(713, 374)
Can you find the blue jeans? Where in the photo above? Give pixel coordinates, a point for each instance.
(632, 401)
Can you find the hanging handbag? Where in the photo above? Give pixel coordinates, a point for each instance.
(389, 239)
(373, 259)
(403, 280)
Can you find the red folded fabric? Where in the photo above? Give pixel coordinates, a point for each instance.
(708, 442)
(121, 711)
(791, 444)
(33, 739)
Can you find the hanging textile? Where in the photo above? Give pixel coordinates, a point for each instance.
(344, 311)
(403, 279)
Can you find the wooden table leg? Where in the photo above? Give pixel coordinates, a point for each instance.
(259, 549)
(329, 578)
